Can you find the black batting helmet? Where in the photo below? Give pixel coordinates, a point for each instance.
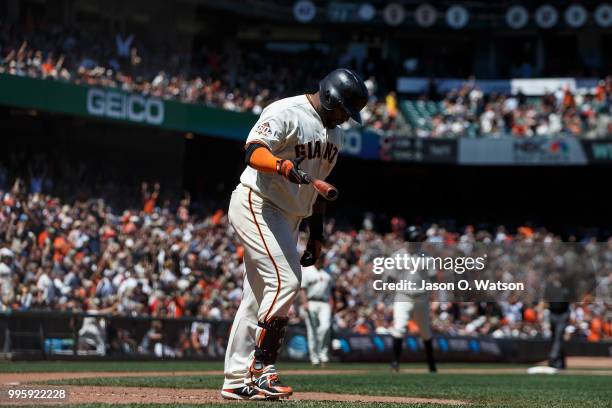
(343, 87)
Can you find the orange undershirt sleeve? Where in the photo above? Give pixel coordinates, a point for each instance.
(262, 159)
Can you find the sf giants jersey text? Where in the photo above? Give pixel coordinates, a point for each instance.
(292, 128)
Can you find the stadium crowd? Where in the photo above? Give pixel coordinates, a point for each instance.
(161, 260)
(533, 256)
(469, 112)
(232, 79)
(237, 80)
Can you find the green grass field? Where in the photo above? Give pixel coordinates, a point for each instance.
(85, 366)
(493, 389)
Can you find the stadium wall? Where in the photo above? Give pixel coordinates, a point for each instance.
(64, 335)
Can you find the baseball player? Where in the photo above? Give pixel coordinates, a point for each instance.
(413, 305)
(294, 138)
(316, 296)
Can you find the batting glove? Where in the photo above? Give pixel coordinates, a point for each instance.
(291, 171)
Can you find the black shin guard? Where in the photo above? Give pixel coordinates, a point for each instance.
(269, 342)
(429, 355)
(397, 349)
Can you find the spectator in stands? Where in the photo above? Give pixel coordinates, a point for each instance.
(162, 260)
(231, 80)
(468, 112)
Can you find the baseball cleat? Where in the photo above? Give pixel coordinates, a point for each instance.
(271, 386)
(395, 366)
(246, 392)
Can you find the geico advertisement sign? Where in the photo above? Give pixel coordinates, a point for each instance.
(117, 105)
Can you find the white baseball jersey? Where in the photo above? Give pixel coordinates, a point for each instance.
(265, 211)
(316, 283)
(292, 128)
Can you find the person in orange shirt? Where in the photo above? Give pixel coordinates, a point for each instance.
(568, 99)
(526, 232)
(149, 199)
(595, 329)
(42, 238)
(362, 328)
(600, 92)
(178, 303)
(61, 246)
(530, 315)
(47, 66)
(216, 218)
(607, 329)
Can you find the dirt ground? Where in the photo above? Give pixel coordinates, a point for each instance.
(135, 395)
(116, 395)
(125, 395)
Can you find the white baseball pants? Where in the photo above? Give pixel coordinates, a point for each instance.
(318, 324)
(418, 311)
(272, 275)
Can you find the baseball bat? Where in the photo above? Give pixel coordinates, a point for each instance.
(328, 191)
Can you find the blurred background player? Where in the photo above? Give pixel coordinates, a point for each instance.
(316, 303)
(411, 305)
(557, 293)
